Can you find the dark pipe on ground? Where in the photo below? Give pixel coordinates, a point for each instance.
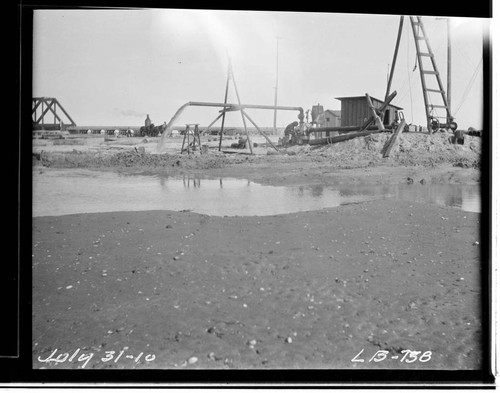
(341, 130)
(341, 138)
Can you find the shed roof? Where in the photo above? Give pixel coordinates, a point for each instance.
(364, 98)
(334, 113)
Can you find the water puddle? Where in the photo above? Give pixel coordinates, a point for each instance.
(60, 192)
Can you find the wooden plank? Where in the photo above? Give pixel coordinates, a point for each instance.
(184, 139)
(378, 122)
(259, 130)
(387, 150)
(435, 91)
(382, 108)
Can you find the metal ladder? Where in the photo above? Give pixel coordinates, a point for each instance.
(433, 122)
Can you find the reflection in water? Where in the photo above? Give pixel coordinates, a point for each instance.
(81, 191)
(317, 190)
(465, 197)
(194, 181)
(470, 200)
(189, 181)
(162, 181)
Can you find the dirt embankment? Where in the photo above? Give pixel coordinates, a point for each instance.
(411, 150)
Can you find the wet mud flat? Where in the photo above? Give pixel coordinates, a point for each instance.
(311, 290)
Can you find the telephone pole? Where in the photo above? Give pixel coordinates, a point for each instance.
(448, 61)
(448, 87)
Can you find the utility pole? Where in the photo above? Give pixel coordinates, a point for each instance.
(276, 87)
(448, 87)
(448, 65)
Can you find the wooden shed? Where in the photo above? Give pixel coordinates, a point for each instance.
(355, 111)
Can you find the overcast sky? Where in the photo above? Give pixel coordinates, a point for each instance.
(112, 67)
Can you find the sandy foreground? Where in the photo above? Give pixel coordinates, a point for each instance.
(380, 284)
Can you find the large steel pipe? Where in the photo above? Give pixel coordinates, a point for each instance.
(237, 107)
(226, 107)
(342, 138)
(340, 130)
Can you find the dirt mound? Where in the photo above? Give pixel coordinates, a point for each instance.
(409, 149)
(135, 159)
(298, 149)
